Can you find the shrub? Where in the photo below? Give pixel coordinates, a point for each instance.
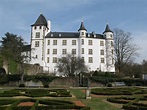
(21, 85)
(46, 86)
(109, 85)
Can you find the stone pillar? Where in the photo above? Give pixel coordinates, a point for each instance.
(87, 93)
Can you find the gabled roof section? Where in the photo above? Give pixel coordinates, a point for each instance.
(107, 29)
(41, 21)
(82, 27)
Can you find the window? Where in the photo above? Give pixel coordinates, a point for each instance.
(40, 27)
(102, 60)
(101, 43)
(63, 51)
(48, 42)
(37, 34)
(54, 51)
(36, 56)
(83, 59)
(90, 59)
(82, 33)
(48, 51)
(112, 61)
(101, 52)
(89, 42)
(35, 28)
(90, 52)
(54, 59)
(48, 59)
(112, 43)
(112, 51)
(36, 43)
(111, 35)
(64, 42)
(73, 42)
(74, 51)
(82, 50)
(82, 42)
(54, 42)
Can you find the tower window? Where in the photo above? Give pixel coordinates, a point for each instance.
(35, 27)
(73, 42)
(102, 60)
(82, 33)
(48, 59)
(64, 42)
(54, 42)
(36, 43)
(111, 35)
(112, 43)
(83, 59)
(89, 42)
(37, 34)
(40, 27)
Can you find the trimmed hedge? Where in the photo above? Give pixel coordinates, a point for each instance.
(36, 93)
(49, 104)
(118, 91)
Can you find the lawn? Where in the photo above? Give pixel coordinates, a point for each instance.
(93, 103)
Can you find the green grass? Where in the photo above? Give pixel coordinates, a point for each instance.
(93, 103)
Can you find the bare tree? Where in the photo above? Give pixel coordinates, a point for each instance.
(125, 50)
(69, 65)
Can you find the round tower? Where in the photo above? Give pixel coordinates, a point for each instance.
(82, 30)
(109, 43)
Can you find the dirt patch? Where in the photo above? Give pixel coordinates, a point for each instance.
(26, 104)
(79, 103)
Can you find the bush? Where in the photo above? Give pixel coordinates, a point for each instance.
(46, 86)
(109, 85)
(21, 85)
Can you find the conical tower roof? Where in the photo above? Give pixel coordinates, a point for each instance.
(107, 29)
(82, 27)
(41, 21)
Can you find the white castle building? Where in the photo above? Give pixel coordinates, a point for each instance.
(97, 50)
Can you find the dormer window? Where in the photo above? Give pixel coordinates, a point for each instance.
(59, 35)
(51, 35)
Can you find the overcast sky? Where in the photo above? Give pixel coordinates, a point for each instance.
(16, 16)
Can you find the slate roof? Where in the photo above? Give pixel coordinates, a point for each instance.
(41, 21)
(82, 27)
(72, 35)
(107, 29)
